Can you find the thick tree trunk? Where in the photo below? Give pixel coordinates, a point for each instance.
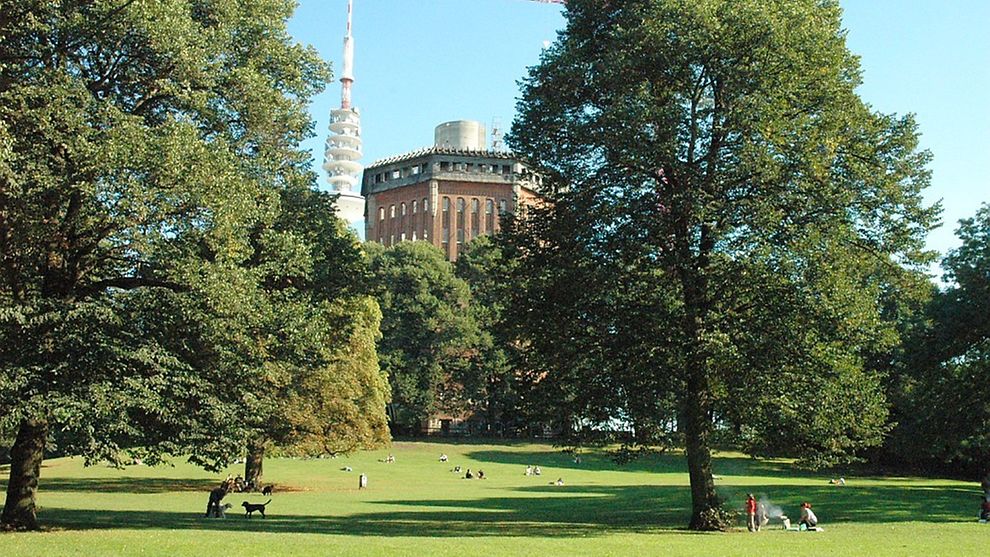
(706, 508)
(705, 505)
(25, 467)
(254, 463)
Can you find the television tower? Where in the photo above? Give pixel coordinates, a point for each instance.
(343, 147)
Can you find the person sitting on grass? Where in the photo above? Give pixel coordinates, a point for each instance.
(481, 474)
(468, 475)
(808, 519)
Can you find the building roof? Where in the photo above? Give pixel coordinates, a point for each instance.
(438, 150)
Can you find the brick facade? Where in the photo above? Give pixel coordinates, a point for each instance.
(444, 196)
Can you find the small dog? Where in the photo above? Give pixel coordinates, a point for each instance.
(222, 510)
(268, 489)
(249, 508)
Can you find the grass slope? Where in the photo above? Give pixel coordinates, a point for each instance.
(416, 506)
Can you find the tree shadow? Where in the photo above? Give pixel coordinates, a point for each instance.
(126, 485)
(667, 463)
(552, 512)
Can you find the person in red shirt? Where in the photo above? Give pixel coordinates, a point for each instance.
(752, 524)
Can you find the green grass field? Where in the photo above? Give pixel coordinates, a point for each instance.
(416, 506)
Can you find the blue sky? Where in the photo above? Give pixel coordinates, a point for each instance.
(422, 62)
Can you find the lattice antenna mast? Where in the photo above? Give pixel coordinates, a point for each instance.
(343, 147)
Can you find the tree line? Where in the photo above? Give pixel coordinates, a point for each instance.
(729, 252)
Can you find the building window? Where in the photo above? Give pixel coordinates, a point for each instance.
(414, 236)
(391, 212)
(445, 165)
(445, 222)
(402, 237)
(489, 216)
(402, 208)
(396, 174)
(391, 240)
(506, 169)
(501, 205)
(425, 205)
(475, 220)
(460, 219)
(381, 213)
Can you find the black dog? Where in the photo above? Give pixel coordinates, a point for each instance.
(249, 508)
(267, 490)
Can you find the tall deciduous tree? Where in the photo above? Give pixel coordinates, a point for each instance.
(428, 336)
(135, 138)
(490, 381)
(313, 332)
(720, 202)
(948, 365)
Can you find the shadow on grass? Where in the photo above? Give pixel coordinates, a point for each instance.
(549, 511)
(126, 485)
(672, 463)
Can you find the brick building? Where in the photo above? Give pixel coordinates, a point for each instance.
(446, 194)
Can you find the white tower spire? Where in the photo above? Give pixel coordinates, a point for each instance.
(343, 147)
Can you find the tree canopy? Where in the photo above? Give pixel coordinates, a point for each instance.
(139, 143)
(722, 208)
(428, 334)
(946, 366)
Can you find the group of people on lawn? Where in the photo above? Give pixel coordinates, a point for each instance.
(757, 516)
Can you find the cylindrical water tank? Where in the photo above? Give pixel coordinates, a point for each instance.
(461, 134)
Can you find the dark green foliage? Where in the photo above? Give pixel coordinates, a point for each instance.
(428, 334)
(942, 390)
(491, 381)
(724, 212)
(140, 143)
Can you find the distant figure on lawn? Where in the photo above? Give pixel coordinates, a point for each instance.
(468, 475)
(216, 497)
(443, 457)
(559, 482)
(389, 459)
(537, 471)
(752, 524)
(529, 470)
(481, 474)
(808, 519)
(362, 481)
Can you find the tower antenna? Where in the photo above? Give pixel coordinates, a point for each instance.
(343, 147)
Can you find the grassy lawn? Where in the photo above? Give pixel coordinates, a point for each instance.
(416, 506)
